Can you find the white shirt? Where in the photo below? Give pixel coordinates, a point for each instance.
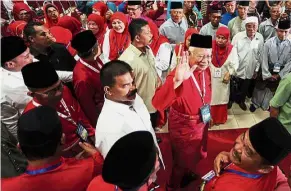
(173, 31)
(117, 120)
(13, 98)
(208, 29)
(249, 54)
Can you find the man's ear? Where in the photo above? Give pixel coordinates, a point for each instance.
(107, 90)
(31, 94)
(137, 38)
(265, 169)
(9, 65)
(30, 38)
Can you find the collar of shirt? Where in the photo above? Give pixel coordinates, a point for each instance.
(30, 167)
(176, 24)
(278, 41)
(137, 51)
(269, 22)
(119, 107)
(246, 37)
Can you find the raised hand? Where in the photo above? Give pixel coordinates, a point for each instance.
(183, 70)
(221, 159)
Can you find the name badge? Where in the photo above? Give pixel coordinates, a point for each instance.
(277, 67)
(205, 113)
(217, 73)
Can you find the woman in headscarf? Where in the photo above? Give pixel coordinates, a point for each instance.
(22, 11)
(99, 8)
(162, 51)
(117, 39)
(16, 28)
(63, 36)
(98, 26)
(223, 65)
(71, 24)
(51, 14)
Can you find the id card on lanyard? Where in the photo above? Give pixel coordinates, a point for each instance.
(205, 109)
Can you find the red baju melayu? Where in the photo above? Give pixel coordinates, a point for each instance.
(88, 88)
(188, 133)
(70, 114)
(65, 174)
(237, 181)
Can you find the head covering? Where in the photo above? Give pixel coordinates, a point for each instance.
(100, 22)
(244, 3)
(48, 22)
(63, 36)
(16, 28)
(130, 160)
(215, 9)
(19, 6)
(176, 5)
(39, 75)
(39, 126)
(133, 2)
(201, 41)
(84, 41)
(188, 33)
(101, 7)
(271, 140)
(12, 46)
(157, 39)
(118, 42)
(252, 19)
(284, 24)
(220, 54)
(71, 24)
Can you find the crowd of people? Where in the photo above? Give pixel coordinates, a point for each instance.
(88, 85)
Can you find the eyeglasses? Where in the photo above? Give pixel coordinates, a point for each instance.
(52, 92)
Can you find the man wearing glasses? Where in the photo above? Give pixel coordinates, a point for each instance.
(46, 89)
(231, 13)
(175, 27)
(187, 92)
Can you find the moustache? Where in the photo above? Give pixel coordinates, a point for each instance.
(132, 93)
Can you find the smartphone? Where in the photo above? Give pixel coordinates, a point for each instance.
(82, 132)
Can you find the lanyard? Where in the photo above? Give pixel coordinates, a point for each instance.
(43, 170)
(68, 118)
(198, 88)
(252, 176)
(89, 66)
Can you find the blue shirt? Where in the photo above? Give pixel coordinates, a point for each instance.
(226, 17)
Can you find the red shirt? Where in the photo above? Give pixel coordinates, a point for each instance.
(229, 181)
(72, 174)
(88, 89)
(69, 129)
(186, 98)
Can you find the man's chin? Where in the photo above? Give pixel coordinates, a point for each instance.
(232, 158)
